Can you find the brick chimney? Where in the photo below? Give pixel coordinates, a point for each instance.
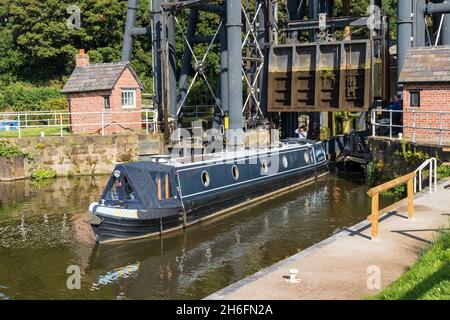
(81, 59)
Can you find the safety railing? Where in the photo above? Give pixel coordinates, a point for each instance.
(432, 176)
(388, 123)
(411, 184)
(18, 124)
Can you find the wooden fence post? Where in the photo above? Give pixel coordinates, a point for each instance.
(375, 206)
(410, 187)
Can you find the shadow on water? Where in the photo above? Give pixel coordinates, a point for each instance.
(43, 230)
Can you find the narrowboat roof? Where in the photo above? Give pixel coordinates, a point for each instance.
(228, 155)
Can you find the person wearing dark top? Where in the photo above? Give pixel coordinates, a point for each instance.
(314, 132)
(396, 105)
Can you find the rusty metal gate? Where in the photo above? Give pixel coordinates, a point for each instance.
(334, 76)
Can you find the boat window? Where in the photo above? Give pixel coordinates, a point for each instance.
(205, 178)
(320, 154)
(129, 193)
(306, 157)
(285, 162)
(163, 185)
(235, 172)
(265, 166)
(115, 189)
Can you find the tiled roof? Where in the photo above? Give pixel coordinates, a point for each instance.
(427, 64)
(97, 77)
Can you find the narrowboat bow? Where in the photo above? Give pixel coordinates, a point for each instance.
(149, 198)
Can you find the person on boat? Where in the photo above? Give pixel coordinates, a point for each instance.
(301, 132)
(314, 132)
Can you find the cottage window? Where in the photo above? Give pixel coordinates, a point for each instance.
(414, 99)
(106, 102)
(128, 98)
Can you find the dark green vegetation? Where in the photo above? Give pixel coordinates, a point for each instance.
(38, 49)
(399, 163)
(428, 278)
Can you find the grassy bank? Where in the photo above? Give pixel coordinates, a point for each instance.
(428, 278)
(35, 132)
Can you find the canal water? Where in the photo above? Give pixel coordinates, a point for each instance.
(43, 232)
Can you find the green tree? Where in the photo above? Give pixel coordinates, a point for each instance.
(38, 46)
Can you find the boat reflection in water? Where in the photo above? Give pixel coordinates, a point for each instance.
(198, 261)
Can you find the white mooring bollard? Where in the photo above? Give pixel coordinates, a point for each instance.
(293, 276)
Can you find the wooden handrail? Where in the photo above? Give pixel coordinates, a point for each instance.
(391, 184)
(374, 193)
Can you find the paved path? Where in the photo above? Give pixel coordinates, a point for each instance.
(337, 268)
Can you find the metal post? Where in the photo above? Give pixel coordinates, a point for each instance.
(234, 40)
(224, 68)
(127, 47)
(373, 120)
(156, 54)
(103, 124)
(18, 125)
(61, 123)
(430, 181)
(404, 31)
(446, 28)
(420, 23)
(172, 90)
(420, 180)
(435, 174)
(390, 124)
(146, 121)
(26, 119)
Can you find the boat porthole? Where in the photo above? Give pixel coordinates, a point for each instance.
(235, 172)
(265, 166)
(306, 156)
(285, 162)
(205, 178)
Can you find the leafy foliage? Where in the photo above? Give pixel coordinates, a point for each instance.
(9, 150)
(22, 96)
(43, 174)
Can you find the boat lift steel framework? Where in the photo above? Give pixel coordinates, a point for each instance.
(245, 32)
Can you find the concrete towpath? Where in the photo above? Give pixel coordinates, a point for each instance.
(341, 266)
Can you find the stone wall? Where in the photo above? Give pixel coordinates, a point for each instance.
(86, 155)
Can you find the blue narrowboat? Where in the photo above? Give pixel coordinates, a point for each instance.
(150, 198)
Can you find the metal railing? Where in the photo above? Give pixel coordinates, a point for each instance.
(383, 124)
(432, 164)
(63, 122)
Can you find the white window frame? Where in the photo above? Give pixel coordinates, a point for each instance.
(130, 100)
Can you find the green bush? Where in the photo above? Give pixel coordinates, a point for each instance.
(43, 174)
(25, 97)
(9, 150)
(443, 171)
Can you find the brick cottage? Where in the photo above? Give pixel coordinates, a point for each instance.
(426, 87)
(103, 97)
